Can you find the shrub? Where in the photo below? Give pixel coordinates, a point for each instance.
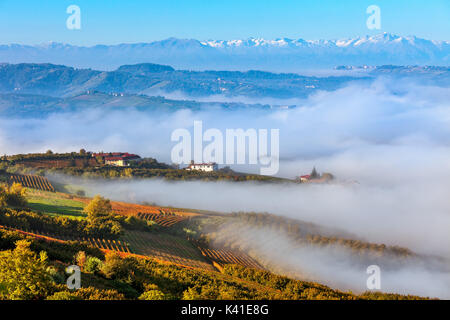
(98, 208)
(93, 265)
(152, 295)
(114, 266)
(24, 274)
(58, 225)
(63, 295)
(134, 223)
(13, 195)
(100, 217)
(80, 259)
(89, 293)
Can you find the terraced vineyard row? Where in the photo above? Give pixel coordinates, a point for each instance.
(164, 219)
(34, 235)
(32, 181)
(229, 257)
(127, 209)
(161, 247)
(104, 244)
(165, 247)
(112, 245)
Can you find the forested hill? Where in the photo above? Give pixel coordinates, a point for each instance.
(35, 90)
(62, 81)
(39, 106)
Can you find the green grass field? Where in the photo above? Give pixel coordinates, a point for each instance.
(49, 203)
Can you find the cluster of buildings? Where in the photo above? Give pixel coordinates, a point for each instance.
(119, 159)
(316, 177)
(123, 159)
(207, 167)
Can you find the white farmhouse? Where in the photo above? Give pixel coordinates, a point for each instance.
(207, 167)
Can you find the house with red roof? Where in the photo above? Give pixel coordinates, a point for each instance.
(305, 178)
(119, 159)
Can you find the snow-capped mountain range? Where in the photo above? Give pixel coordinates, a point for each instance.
(281, 55)
(383, 38)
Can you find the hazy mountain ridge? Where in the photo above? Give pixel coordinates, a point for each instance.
(29, 105)
(154, 80)
(274, 55)
(40, 89)
(151, 79)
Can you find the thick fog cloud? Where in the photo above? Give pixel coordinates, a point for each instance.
(336, 266)
(412, 216)
(392, 139)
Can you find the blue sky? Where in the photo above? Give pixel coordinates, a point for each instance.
(114, 21)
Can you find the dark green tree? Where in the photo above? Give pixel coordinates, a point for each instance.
(314, 174)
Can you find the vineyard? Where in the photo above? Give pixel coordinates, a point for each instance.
(222, 257)
(127, 209)
(111, 245)
(163, 216)
(162, 246)
(103, 244)
(32, 234)
(165, 247)
(58, 163)
(163, 219)
(32, 181)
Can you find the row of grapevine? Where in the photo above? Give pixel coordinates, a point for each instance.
(165, 219)
(32, 181)
(104, 244)
(223, 256)
(58, 163)
(166, 248)
(130, 209)
(32, 234)
(107, 244)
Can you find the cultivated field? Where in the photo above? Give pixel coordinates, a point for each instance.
(164, 216)
(223, 256)
(157, 245)
(56, 203)
(163, 219)
(166, 247)
(32, 181)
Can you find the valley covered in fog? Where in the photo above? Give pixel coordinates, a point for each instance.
(386, 141)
